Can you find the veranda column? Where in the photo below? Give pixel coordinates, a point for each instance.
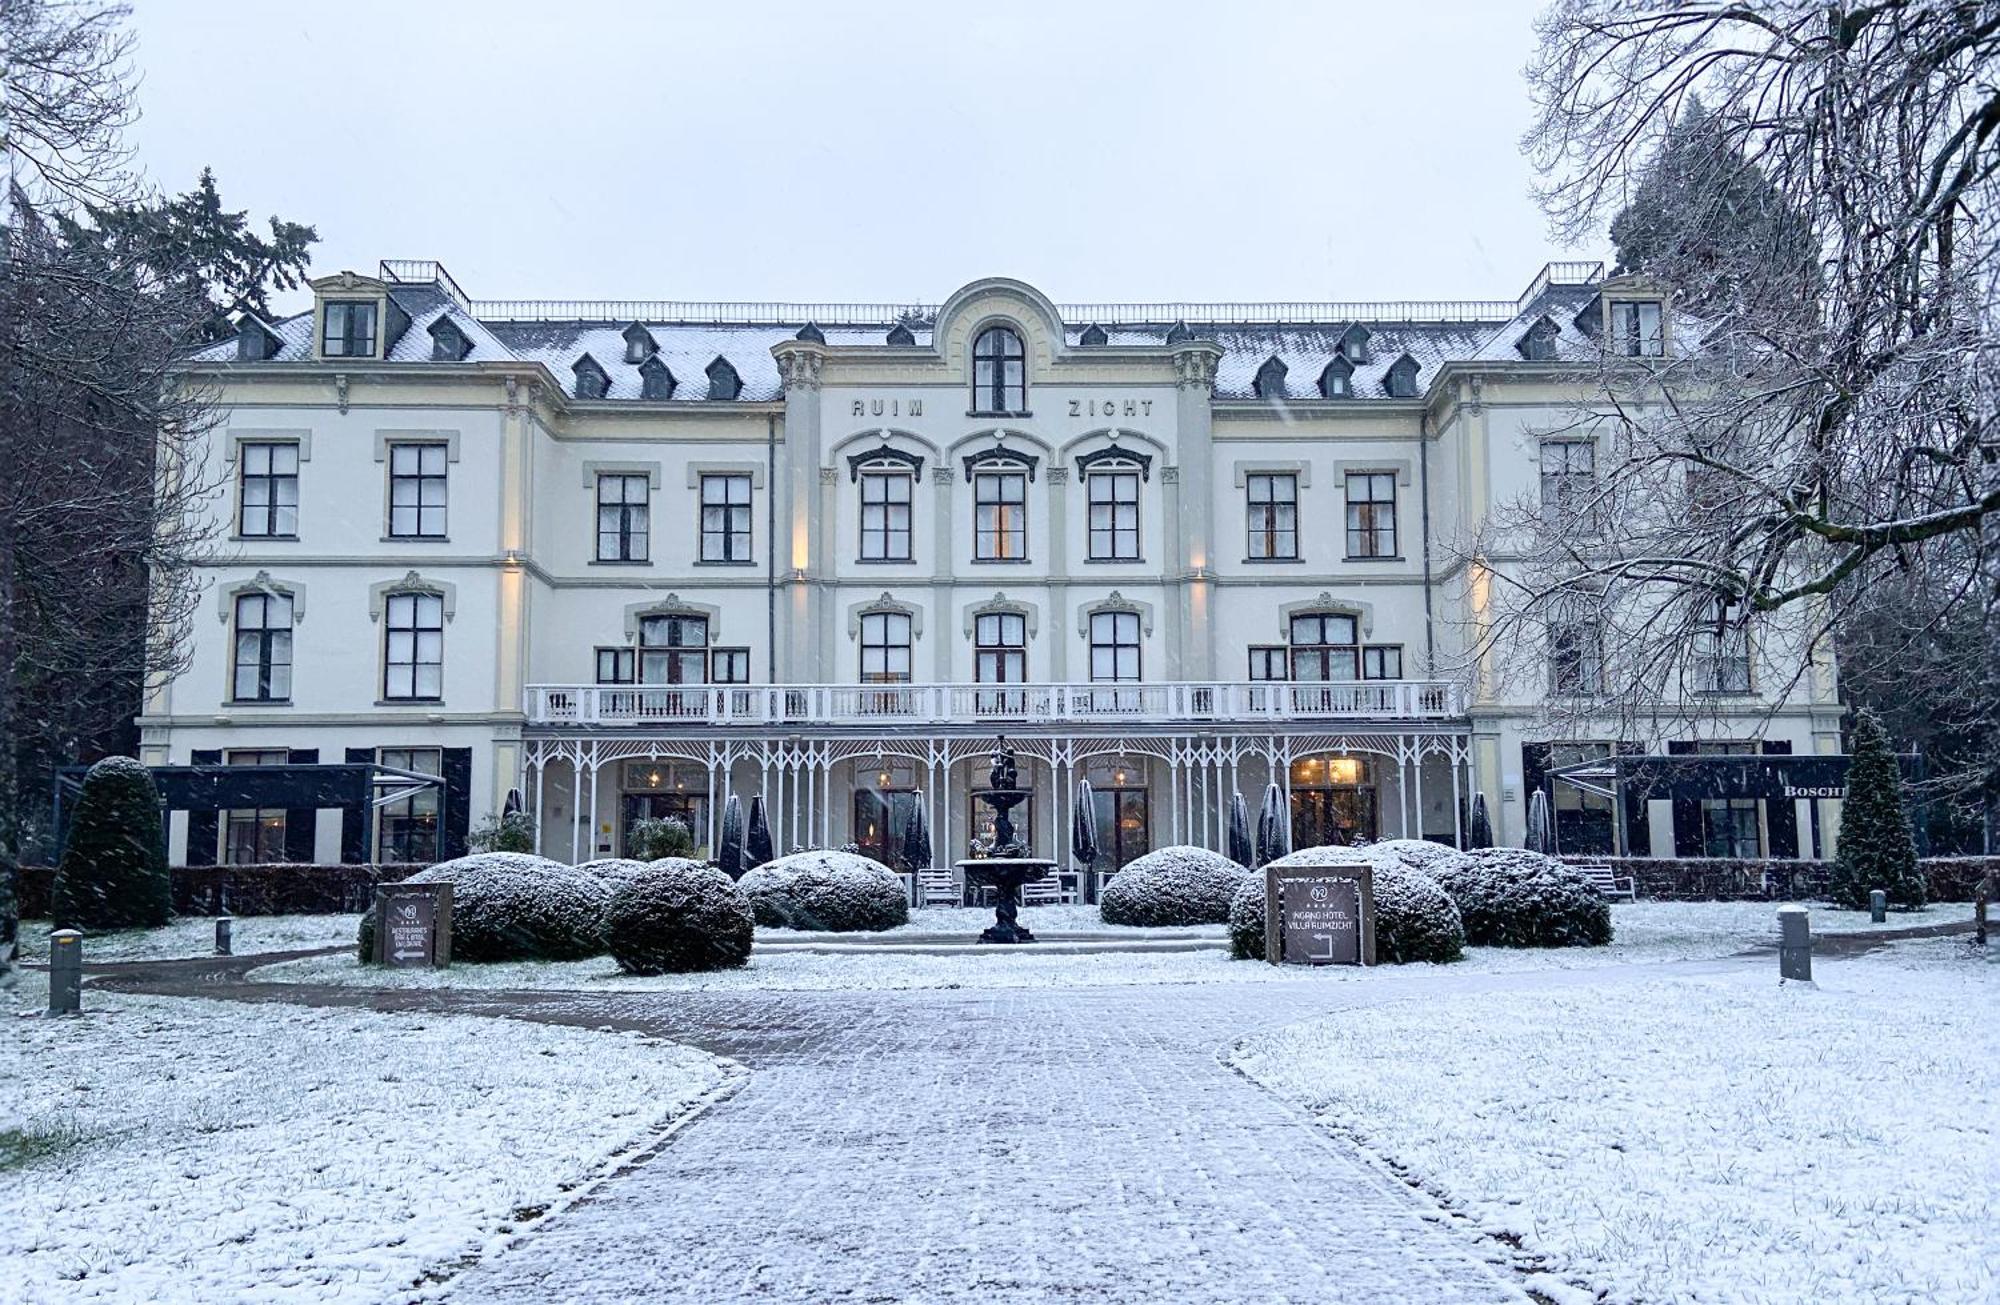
(575, 804)
(1420, 794)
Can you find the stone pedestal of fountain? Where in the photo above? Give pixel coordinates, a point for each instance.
(1006, 864)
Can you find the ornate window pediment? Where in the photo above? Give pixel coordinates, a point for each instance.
(1114, 456)
(1000, 457)
(884, 457)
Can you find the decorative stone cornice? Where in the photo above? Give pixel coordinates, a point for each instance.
(1194, 366)
(799, 364)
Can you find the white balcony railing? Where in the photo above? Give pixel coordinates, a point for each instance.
(1029, 704)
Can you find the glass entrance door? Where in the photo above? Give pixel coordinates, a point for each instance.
(1333, 802)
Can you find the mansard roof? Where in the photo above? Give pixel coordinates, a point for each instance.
(734, 342)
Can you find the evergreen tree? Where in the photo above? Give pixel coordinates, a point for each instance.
(113, 873)
(201, 253)
(1876, 850)
(1707, 222)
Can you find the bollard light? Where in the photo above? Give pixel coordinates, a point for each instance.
(222, 925)
(1878, 905)
(65, 972)
(1794, 943)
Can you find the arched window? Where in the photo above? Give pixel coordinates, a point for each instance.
(999, 373)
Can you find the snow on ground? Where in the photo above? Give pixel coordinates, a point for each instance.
(185, 1150)
(967, 921)
(194, 935)
(1645, 932)
(1705, 1138)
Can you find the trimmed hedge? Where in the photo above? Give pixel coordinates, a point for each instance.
(1724, 879)
(1171, 886)
(678, 916)
(837, 892)
(1511, 897)
(513, 906)
(113, 873)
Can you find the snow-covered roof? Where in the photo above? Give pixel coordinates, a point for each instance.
(690, 339)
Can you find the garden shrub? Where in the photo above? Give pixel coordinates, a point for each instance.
(613, 870)
(660, 836)
(838, 892)
(1246, 919)
(1415, 919)
(1171, 886)
(1876, 848)
(113, 872)
(510, 906)
(1511, 897)
(506, 831)
(677, 916)
(1416, 853)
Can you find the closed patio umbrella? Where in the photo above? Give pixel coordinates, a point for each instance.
(917, 838)
(1274, 826)
(757, 843)
(1482, 824)
(1541, 834)
(1083, 827)
(730, 854)
(1240, 850)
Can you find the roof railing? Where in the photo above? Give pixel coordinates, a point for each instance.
(424, 271)
(1575, 272)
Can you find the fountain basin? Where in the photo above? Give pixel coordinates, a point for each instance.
(1005, 875)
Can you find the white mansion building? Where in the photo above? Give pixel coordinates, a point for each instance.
(631, 558)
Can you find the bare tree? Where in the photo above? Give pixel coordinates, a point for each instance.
(1786, 454)
(65, 93)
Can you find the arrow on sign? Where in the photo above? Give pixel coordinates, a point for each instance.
(419, 955)
(1326, 938)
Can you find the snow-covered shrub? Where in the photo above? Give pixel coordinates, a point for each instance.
(677, 916)
(511, 906)
(613, 870)
(505, 831)
(1171, 886)
(1876, 848)
(1246, 919)
(1511, 897)
(113, 872)
(1416, 853)
(658, 837)
(1415, 919)
(835, 891)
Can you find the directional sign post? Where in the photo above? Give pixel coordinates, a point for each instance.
(413, 925)
(1320, 914)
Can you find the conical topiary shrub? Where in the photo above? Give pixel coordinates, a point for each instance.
(1876, 850)
(113, 873)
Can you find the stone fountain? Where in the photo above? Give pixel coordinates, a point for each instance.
(1004, 862)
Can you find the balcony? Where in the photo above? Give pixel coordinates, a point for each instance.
(1014, 705)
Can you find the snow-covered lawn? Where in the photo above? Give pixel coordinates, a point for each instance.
(178, 1150)
(1646, 932)
(194, 935)
(1711, 1138)
(965, 922)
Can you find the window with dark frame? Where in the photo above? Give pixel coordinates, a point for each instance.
(1576, 657)
(885, 648)
(263, 670)
(1325, 647)
(1636, 328)
(624, 530)
(1371, 514)
(617, 666)
(1721, 652)
(885, 515)
(729, 666)
(1382, 661)
(999, 373)
(725, 518)
(1000, 648)
(417, 490)
(254, 837)
(1114, 513)
(1000, 516)
(348, 328)
(413, 651)
(407, 829)
(270, 490)
(1114, 647)
(673, 650)
(1569, 485)
(1273, 500)
(1270, 662)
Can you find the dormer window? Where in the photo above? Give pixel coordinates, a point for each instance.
(592, 381)
(1353, 344)
(255, 341)
(901, 336)
(1538, 343)
(1636, 328)
(723, 382)
(449, 343)
(999, 373)
(639, 344)
(656, 381)
(1092, 335)
(1270, 381)
(1401, 382)
(1337, 380)
(348, 328)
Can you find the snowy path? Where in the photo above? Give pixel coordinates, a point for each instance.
(1020, 1145)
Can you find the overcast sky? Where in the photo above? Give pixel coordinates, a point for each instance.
(829, 151)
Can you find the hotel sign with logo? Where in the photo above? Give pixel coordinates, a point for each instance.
(1320, 914)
